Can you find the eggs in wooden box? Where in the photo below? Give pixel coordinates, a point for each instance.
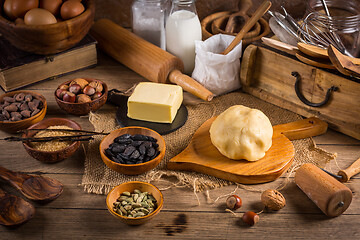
(39, 16)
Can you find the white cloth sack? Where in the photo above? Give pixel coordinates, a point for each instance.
(217, 72)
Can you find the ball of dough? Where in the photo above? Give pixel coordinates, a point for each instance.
(242, 133)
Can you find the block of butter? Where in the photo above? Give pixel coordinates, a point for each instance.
(155, 102)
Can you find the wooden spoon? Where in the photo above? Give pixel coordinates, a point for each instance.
(14, 210)
(264, 7)
(237, 20)
(318, 52)
(342, 63)
(36, 188)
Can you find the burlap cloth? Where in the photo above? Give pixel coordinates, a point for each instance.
(99, 179)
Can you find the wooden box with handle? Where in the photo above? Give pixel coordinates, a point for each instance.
(281, 79)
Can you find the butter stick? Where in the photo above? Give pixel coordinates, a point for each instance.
(155, 102)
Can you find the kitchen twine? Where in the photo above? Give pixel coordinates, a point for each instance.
(99, 179)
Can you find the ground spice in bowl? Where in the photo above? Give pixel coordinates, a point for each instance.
(54, 145)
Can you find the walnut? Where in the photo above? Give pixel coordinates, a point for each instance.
(82, 82)
(273, 199)
(97, 85)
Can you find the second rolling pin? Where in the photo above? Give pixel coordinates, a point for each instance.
(331, 196)
(146, 59)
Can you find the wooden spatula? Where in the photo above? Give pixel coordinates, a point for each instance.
(342, 63)
(202, 156)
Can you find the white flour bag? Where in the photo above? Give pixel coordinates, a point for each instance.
(217, 72)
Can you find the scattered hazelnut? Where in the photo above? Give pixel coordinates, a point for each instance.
(97, 85)
(233, 202)
(83, 98)
(273, 199)
(82, 82)
(75, 88)
(88, 90)
(250, 218)
(69, 97)
(96, 95)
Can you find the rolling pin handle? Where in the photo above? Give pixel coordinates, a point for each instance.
(190, 85)
(350, 171)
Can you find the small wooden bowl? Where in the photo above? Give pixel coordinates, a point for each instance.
(12, 127)
(132, 169)
(130, 187)
(55, 156)
(219, 24)
(207, 22)
(51, 38)
(83, 108)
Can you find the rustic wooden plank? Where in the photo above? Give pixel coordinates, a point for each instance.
(99, 224)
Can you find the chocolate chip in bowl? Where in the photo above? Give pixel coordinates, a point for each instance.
(21, 109)
(55, 150)
(81, 96)
(132, 150)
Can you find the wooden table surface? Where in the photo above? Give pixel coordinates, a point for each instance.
(79, 215)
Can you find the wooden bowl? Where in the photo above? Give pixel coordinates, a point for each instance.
(132, 169)
(55, 156)
(130, 187)
(83, 108)
(12, 127)
(207, 23)
(51, 38)
(219, 25)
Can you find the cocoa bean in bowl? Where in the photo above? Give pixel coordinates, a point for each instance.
(21, 109)
(132, 150)
(81, 95)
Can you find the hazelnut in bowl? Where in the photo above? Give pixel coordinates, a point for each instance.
(81, 96)
(45, 27)
(55, 150)
(132, 150)
(21, 109)
(148, 201)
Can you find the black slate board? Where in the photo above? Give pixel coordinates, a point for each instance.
(162, 128)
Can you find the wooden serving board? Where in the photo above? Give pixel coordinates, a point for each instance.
(202, 156)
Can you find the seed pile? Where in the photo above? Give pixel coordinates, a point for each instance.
(19, 107)
(133, 205)
(133, 149)
(54, 145)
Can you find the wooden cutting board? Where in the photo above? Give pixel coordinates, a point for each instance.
(202, 156)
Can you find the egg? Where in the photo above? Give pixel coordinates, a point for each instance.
(20, 7)
(7, 9)
(52, 6)
(39, 16)
(71, 9)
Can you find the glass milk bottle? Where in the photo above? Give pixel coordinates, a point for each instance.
(148, 20)
(182, 29)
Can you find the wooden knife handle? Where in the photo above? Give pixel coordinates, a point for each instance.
(190, 85)
(350, 171)
(304, 128)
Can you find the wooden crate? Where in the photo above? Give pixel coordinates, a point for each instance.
(267, 74)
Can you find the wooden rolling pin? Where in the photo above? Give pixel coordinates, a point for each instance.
(148, 60)
(331, 196)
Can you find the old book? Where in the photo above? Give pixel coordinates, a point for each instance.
(19, 68)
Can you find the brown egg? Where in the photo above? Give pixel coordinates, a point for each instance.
(20, 7)
(71, 9)
(7, 9)
(39, 16)
(52, 6)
